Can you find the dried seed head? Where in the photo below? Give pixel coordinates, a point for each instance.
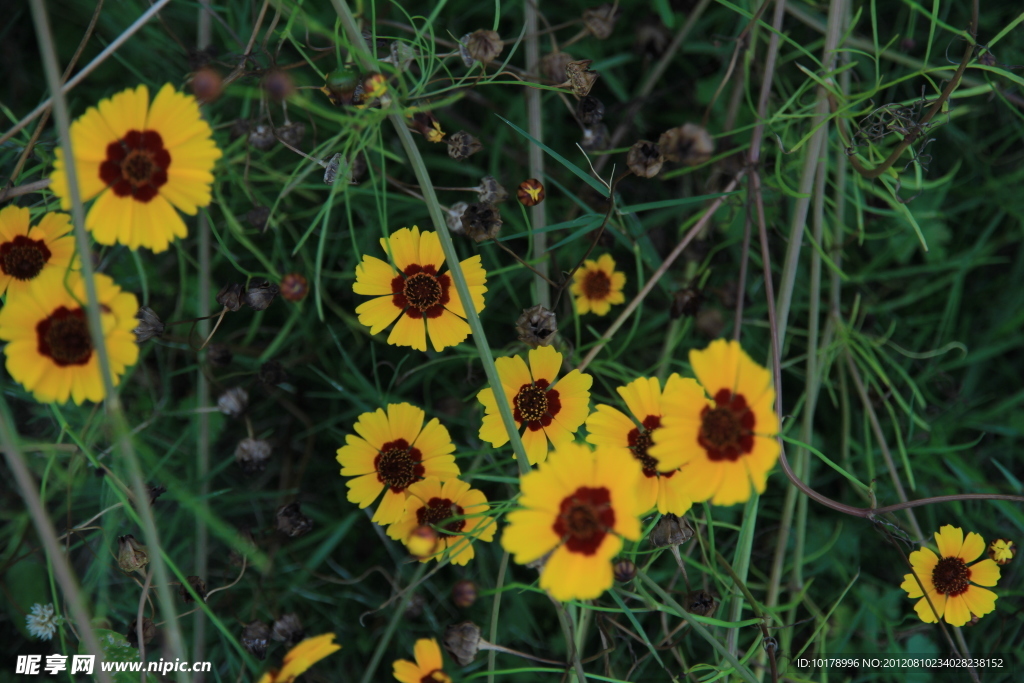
(689, 145)
(279, 85)
(462, 145)
(219, 355)
(252, 455)
(480, 46)
(291, 522)
(453, 217)
(553, 66)
(260, 293)
(537, 326)
(624, 570)
(670, 530)
(644, 159)
(491, 191)
(464, 593)
(463, 642)
(288, 629)
(272, 373)
(589, 110)
(428, 126)
(600, 21)
(254, 638)
(581, 78)
(340, 87)
(257, 217)
(422, 542)
(230, 296)
(207, 85)
(292, 133)
(148, 632)
(530, 192)
(595, 138)
(262, 137)
(198, 585)
(481, 221)
(701, 603)
(233, 402)
(294, 287)
(332, 168)
(686, 302)
(402, 55)
(149, 325)
(131, 555)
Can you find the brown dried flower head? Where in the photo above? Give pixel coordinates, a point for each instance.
(131, 555)
(553, 65)
(581, 78)
(207, 85)
(624, 570)
(260, 294)
(530, 192)
(198, 585)
(292, 133)
(481, 221)
(700, 602)
(262, 137)
(670, 531)
(600, 21)
(463, 642)
(589, 110)
(233, 402)
(644, 159)
(464, 593)
(462, 145)
(491, 191)
(219, 355)
(689, 144)
(291, 522)
(480, 46)
(453, 216)
(230, 296)
(149, 326)
(595, 138)
(294, 287)
(686, 301)
(252, 455)
(279, 85)
(288, 629)
(148, 632)
(254, 639)
(537, 326)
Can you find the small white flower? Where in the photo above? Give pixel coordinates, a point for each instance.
(42, 622)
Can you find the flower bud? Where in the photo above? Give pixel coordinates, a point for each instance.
(581, 78)
(291, 522)
(624, 570)
(288, 629)
(481, 222)
(530, 192)
(480, 46)
(233, 402)
(670, 531)
(340, 87)
(254, 639)
(149, 326)
(464, 593)
(589, 110)
(260, 294)
(600, 21)
(148, 632)
(537, 326)
(198, 585)
(207, 85)
(463, 642)
(689, 145)
(294, 287)
(279, 85)
(462, 145)
(1002, 551)
(644, 159)
(230, 296)
(491, 191)
(131, 555)
(252, 455)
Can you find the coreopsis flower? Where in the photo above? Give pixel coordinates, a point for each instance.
(27, 251)
(577, 506)
(42, 622)
(949, 581)
(1002, 550)
(393, 451)
(597, 286)
(143, 162)
(428, 667)
(414, 291)
(727, 443)
(543, 409)
(50, 350)
(301, 657)
(432, 502)
(610, 427)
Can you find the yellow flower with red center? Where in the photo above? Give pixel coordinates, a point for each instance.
(28, 251)
(141, 161)
(416, 293)
(949, 581)
(428, 667)
(456, 512)
(51, 351)
(577, 506)
(543, 409)
(597, 286)
(301, 657)
(727, 443)
(393, 451)
(609, 427)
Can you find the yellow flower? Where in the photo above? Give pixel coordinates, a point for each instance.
(577, 506)
(606, 426)
(428, 667)
(727, 443)
(394, 451)
(1002, 551)
(948, 580)
(423, 300)
(549, 411)
(431, 502)
(597, 286)
(50, 350)
(301, 657)
(27, 252)
(142, 161)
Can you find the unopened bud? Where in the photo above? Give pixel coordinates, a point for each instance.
(464, 593)
(422, 542)
(279, 85)
(1002, 551)
(294, 287)
(624, 570)
(207, 85)
(530, 192)
(428, 126)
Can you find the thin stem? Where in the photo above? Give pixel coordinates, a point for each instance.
(495, 610)
(570, 642)
(398, 616)
(535, 121)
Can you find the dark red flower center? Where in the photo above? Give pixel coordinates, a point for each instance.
(596, 285)
(584, 518)
(421, 292)
(64, 337)
(536, 405)
(727, 430)
(22, 258)
(436, 676)
(640, 441)
(951, 576)
(439, 509)
(136, 165)
(398, 465)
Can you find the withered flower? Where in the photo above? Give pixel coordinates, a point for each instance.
(262, 137)
(463, 642)
(288, 629)
(230, 296)
(536, 326)
(233, 402)
(464, 593)
(291, 522)
(600, 21)
(332, 168)
(294, 287)
(595, 138)
(553, 66)
(198, 585)
(530, 192)
(219, 355)
(589, 110)
(686, 301)
(254, 639)
(148, 632)
(252, 455)
(260, 294)
(462, 145)
(453, 216)
(428, 126)
(257, 217)
(491, 191)
(207, 85)
(581, 78)
(644, 159)
(279, 85)
(131, 555)
(272, 373)
(624, 570)
(480, 46)
(481, 221)
(149, 326)
(689, 144)
(700, 602)
(670, 530)
(292, 133)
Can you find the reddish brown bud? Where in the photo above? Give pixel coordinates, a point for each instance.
(207, 85)
(530, 192)
(294, 287)
(464, 593)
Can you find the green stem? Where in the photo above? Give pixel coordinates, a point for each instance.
(495, 609)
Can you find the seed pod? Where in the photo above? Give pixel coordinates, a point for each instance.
(272, 373)
(530, 192)
(464, 593)
(254, 639)
(689, 145)
(262, 137)
(131, 555)
(198, 585)
(651, 38)
(462, 145)
(453, 217)
(402, 55)
(292, 133)
(149, 326)
(595, 138)
(340, 87)
(480, 46)
(291, 522)
(219, 355)
(148, 632)
(230, 296)
(257, 217)
(288, 629)
(624, 570)
(294, 287)
(233, 402)
(581, 78)
(428, 126)
(463, 642)
(670, 531)
(700, 602)
(481, 222)
(279, 85)
(491, 191)
(252, 455)
(260, 294)
(644, 159)
(600, 21)
(686, 302)
(553, 65)
(207, 85)
(589, 110)
(537, 326)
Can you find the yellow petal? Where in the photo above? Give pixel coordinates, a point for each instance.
(607, 426)
(409, 332)
(126, 110)
(405, 421)
(984, 573)
(373, 277)
(428, 654)
(973, 547)
(979, 601)
(956, 612)
(545, 363)
(431, 253)
(391, 508)
(405, 247)
(574, 576)
(642, 397)
(378, 313)
(447, 330)
(950, 540)
(364, 490)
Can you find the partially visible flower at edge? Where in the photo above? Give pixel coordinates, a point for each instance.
(28, 251)
(301, 657)
(42, 622)
(597, 286)
(428, 667)
(431, 502)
